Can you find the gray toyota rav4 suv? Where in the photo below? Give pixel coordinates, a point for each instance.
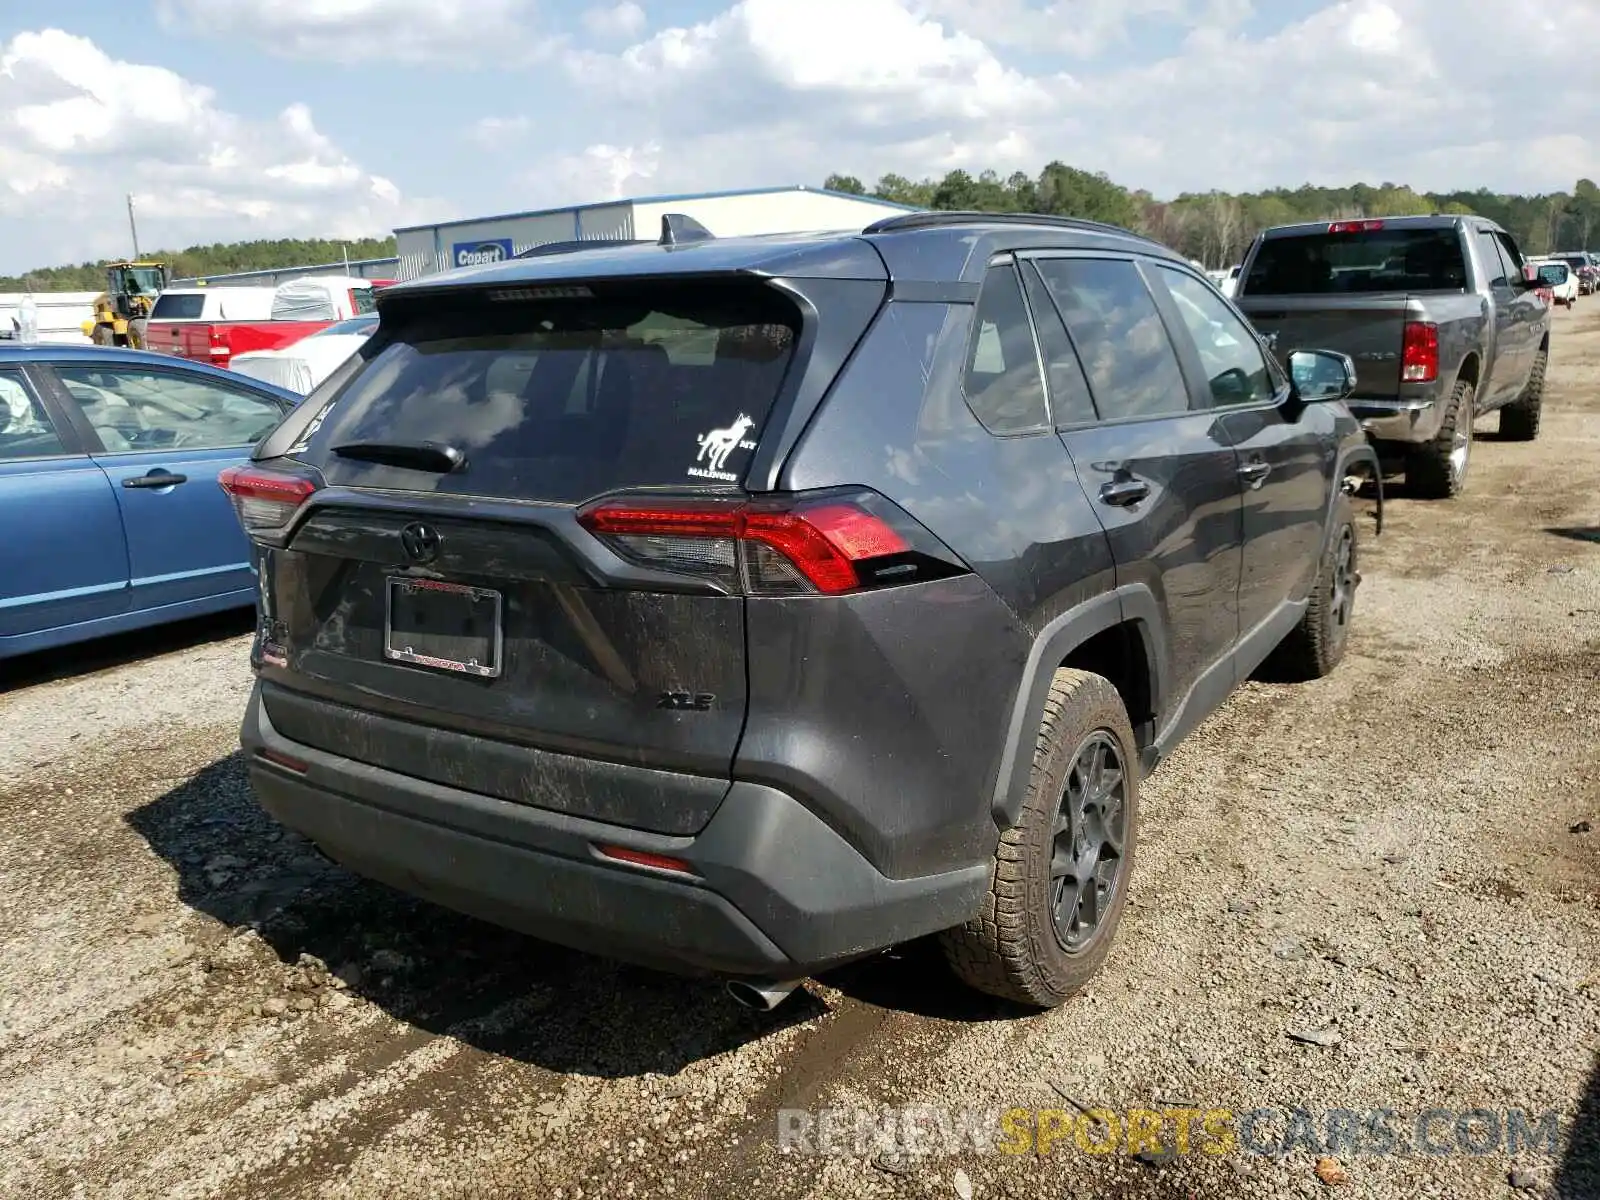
(746, 606)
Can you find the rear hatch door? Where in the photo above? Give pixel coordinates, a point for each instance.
(438, 610)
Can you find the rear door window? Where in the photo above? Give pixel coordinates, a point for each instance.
(135, 409)
(1375, 260)
(567, 398)
(1002, 382)
(25, 430)
(1117, 329)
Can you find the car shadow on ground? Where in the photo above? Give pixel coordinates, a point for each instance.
(1578, 1176)
(452, 975)
(915, 979)
(85, 658)
(1576, 533)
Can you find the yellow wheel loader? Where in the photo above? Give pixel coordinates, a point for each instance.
(121, 311)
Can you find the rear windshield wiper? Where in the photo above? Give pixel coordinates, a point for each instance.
(416, 456)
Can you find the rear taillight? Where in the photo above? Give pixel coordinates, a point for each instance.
(265, 500)
(1355, 226)
(803, 545)
(1419, 353)
(221, 348)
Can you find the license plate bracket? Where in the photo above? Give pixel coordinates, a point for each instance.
(443, 626)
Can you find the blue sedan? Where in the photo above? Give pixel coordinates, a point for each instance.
(110, 514)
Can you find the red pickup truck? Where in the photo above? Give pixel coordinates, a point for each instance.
(300, 308)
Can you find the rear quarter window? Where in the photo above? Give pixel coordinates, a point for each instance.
(563, 400)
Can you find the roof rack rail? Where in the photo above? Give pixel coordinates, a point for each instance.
(933, 220)
(677, 229)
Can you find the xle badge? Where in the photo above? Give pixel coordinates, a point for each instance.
(717, 445)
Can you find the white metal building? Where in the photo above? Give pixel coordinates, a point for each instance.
(61, 315)
(424, 249)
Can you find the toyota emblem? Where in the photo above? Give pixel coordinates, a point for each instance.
(420, 541)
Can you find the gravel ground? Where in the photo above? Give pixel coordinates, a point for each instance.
(1391, 863)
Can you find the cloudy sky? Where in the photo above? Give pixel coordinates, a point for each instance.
(232, 119)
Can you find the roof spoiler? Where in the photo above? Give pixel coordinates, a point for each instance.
(678, 230)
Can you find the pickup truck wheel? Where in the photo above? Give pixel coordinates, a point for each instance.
(1438, 470)
(1059, 882)
(1316, 645)
(1519, 420)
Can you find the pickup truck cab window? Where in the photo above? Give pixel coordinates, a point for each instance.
(1496, 265)
(1359, 260)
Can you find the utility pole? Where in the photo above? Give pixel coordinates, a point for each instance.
(133, 227)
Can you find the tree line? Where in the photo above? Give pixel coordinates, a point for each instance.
(1217, 227)
(221, 258)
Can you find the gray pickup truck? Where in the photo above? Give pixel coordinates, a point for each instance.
(1442, 318)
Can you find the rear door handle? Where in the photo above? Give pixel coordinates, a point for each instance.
(155, 479)
(1123, 492)
(1254, 473)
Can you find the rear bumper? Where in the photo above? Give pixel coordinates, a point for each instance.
(778, 893)
(1412, 419)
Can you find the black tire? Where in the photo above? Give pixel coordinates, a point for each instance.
(1519, 420)
(1431, 471)
(1315, 646)
(138, 329)
(103, 336)
(1012, 949)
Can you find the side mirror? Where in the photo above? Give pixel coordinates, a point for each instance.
(1322, 375)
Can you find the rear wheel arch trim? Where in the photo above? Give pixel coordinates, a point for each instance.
(1362, 459)
(1131, 604)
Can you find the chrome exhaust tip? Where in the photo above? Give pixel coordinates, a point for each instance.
(763, 997)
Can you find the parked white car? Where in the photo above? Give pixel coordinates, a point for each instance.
(1559, 278)
(302, 365)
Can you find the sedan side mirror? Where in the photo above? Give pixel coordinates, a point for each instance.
(1322, 375)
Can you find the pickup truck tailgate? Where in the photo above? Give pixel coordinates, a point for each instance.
(1370, 329)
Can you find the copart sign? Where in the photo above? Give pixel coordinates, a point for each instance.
(484, 250)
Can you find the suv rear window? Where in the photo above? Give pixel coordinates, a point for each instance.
(565, 399)
(179, 306)
(1379, 260)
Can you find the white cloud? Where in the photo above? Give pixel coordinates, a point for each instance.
(348, 31)
(492, 132)
(79, 130)
(608, 172)
(611, 21)
(1081, 28)
(1437, 93)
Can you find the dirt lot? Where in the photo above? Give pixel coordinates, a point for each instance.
(1391, 863)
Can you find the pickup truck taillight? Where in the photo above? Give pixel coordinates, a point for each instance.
(1419, 354)
(221, 349)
